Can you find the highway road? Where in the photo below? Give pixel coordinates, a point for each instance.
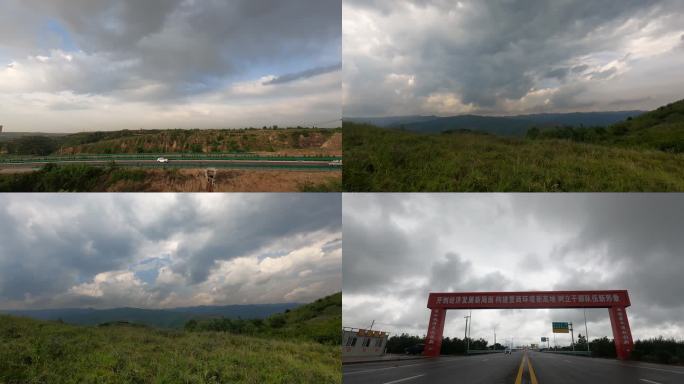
(190, 163)
(518, 368)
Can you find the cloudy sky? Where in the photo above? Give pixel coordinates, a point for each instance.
(167, 250)
(501, 57)
(70, 65)
(399, 247)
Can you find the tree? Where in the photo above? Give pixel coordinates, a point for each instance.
(581, 344)
(533, 133)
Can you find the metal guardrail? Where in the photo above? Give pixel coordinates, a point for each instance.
(21, 159)
(574, 353)
(482, 351)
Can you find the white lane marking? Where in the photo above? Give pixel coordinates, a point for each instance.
(650, 381)
(380, 369)
(653, 369)
(404, 379)
(404, 365)
(601, 361)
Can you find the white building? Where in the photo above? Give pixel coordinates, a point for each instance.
(363, 342)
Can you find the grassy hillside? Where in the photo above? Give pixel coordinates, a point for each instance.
(33, 351)
(389, 160)
(319, 321)
(661, 129)
(294, 140)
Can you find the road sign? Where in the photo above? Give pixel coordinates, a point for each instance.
(560, 327)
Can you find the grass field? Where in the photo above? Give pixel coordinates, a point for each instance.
(34, 351)
(390, 160)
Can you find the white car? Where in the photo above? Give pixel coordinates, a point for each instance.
(162, 160)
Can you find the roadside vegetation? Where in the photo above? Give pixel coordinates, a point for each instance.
(73, 178)
(392, 160)
(301, 348)
(86, 178)
(655, 350)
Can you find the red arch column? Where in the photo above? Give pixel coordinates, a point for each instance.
(433, 340)
(622, 334)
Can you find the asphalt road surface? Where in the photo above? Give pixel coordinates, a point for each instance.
(189, 163)
(518, 368)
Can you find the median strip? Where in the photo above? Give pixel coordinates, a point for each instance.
(518, 379)
(533, 377)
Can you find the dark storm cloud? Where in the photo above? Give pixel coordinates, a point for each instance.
(304, 74)
(106, 250)
(187, 45)
(399, 248)
(78, 65)
(288, 218)
(492, 54)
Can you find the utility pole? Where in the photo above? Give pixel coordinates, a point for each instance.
(586, 330)
(494, 338)
(470, 315)
(465, 333)
(372, 324)
(572, 336)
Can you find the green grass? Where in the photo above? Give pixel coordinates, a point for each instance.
(332, 185)
(34, 351)
(389, 160)
(73, 178)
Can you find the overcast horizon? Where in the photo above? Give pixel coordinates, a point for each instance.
(86, 65)
(445, 58)
(400, 247)
(167, 250)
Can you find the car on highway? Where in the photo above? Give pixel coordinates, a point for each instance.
(162, 160)
(507, 351)
(415, 349)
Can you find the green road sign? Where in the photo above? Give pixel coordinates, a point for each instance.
(560, 327)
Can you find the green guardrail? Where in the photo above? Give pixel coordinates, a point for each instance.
(482, 351)
(293, 167)
(171, 157)
(574, 353)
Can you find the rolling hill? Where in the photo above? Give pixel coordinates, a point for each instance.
(305, 141)
(499, 125)
(319, 321)
(661, 129)
(163, 318)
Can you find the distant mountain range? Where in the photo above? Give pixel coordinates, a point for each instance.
(165, 318)
(500, 125)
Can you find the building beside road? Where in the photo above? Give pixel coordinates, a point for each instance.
(363, 342)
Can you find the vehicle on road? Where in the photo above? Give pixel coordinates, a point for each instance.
(507, 351)
(162, 160)
(415, 349)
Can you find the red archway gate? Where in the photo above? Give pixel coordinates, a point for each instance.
(616, 302)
